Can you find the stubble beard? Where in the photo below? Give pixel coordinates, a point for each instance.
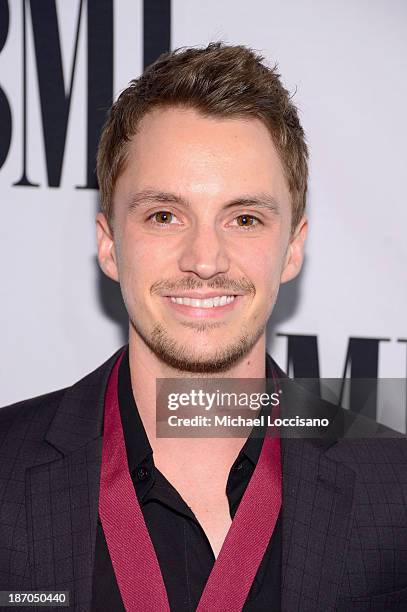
(182, 358)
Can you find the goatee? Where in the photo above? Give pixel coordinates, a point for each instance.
(182, 358)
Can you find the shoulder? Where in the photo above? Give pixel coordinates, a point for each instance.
(30, 407)
(29, 419)
(379, 462)
(20, 409)
(366, 441)
(16, 419)
(388, 449)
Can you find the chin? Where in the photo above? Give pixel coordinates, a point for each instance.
(195, 363)
(187, 356)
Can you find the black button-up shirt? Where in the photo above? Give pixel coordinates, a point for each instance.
(183, 550)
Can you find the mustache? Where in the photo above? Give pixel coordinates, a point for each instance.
(239, 286)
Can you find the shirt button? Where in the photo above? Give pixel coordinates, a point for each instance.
(142, 473)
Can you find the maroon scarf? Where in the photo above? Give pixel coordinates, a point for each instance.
(132, 553)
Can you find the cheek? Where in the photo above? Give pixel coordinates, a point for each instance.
(262, 264)
(141, 263)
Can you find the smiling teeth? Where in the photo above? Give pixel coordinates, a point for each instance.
(221, 300)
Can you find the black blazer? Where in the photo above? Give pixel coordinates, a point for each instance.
(344, 514)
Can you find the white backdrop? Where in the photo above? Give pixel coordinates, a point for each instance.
(347, 59)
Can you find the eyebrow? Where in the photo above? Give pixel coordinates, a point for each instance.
(149, 196)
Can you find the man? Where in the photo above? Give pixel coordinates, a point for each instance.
(202, 168)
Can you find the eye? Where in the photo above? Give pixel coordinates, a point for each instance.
(246, 221)
(162, 217)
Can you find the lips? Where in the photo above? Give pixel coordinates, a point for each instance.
(208, 302)
(204, 307)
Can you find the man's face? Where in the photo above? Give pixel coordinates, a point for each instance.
(201, 237)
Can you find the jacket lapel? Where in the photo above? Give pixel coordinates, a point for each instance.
(62, 495)
(316, 510)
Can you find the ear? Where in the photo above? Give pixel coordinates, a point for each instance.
(106, 249)
(295, 252)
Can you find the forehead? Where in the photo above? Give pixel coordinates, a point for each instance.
(179, 149)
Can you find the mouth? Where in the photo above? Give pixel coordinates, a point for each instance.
(203, 306)
(210, 302)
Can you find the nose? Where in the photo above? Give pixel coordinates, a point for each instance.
(204, 253)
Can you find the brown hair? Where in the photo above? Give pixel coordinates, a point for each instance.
(219, 80)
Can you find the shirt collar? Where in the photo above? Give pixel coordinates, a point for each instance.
(137, 445)
(253, 444)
